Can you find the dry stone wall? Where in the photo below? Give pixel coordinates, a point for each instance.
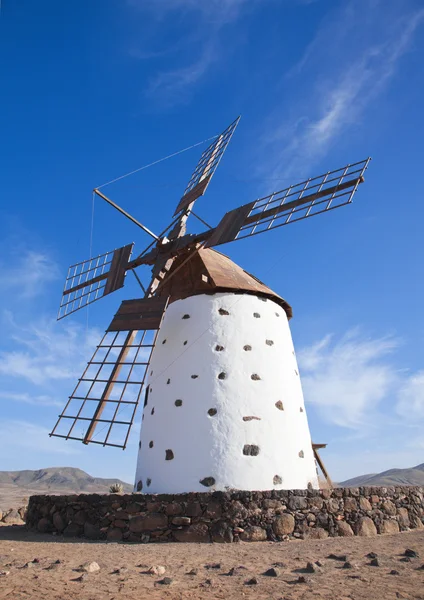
(230, 516)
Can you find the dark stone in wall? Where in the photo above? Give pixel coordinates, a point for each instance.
(229, 516)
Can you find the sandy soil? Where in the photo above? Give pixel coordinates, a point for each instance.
(211, 563)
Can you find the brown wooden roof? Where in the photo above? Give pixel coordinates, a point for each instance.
(209, 271)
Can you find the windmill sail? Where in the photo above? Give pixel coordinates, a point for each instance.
(94, 278)
(206, 167)
(102, 407)
(306, 199)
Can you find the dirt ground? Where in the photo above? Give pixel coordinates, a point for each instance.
(30, 571)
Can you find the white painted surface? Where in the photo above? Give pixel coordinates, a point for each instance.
(212, 446)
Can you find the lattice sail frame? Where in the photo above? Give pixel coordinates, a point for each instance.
(206, 167)
(94, 278)
(109, 391)
(306, 199)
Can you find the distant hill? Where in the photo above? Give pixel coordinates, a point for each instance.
(57, 480)
(413, 476)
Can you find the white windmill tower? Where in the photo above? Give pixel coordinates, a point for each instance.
(208, 350)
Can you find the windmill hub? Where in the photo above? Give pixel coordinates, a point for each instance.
(207, 351)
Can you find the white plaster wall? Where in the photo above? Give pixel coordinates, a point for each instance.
(212, 446)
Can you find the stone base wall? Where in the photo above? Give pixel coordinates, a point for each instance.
(230, 516)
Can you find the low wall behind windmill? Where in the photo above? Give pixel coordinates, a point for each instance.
(230, 516)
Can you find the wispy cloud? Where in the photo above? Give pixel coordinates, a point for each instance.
(44, 351)
(26, 398)
(411, 399)
(215, 11)
(174, 86)
(27, 275)
(340, 91)
(346, 379)
(22, 437)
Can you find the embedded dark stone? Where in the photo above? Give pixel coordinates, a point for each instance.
(222, 375)
(185, 343)
(164, 342)
(165, 581)
(169, 455)
(269, 342)
(186, 316)
(247, 348)
(219, 348)
(277, 314)
(208, 481)
(168, 382)
(277, 480)
(148, 481)
(151, 444)
(257, 315)
(178, 402)
(152, 411)
(139, 445)
(394, 572)
(255, 377)
(272, 572)
(139, 485)
(279, 405)
(251, 418)
(301, 454)
(222, 311)
(252, 581)
(296, 372)
(194, 376)
(251, 450)
(411, 553)
(263, 299)
(301, 409)
(151, 373)
(374, 562)
(212, 412)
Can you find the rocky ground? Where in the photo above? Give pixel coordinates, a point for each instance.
(37, 566)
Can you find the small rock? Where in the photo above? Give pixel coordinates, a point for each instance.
(157, 570)
(411, 553)
(349, 565)
(213, 566)
(394, 572)
(252, 581)
(340, 557)
(374, 562)
(207, 583)
(4, 573)
(318, 563)
(372, 555)
(303, 579)
(120, 571)
(312, 568)
(272, 572)
(89, 567)
(165, 581)
(278, 564)
(405, 559)
(236, 570)
(81, 578)
(193, 572)
(420, 568)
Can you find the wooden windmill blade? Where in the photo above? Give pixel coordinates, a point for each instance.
(94, 278)
(109, 391)
(206, 167)
(297, 202)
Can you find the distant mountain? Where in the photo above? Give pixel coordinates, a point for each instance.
(413, 476)
(57, 480)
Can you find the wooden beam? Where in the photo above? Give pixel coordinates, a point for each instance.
(109, 386)
(321, 465)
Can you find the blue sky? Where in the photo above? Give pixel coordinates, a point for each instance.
(92, 90)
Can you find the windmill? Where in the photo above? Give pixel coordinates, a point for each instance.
(207, 350)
